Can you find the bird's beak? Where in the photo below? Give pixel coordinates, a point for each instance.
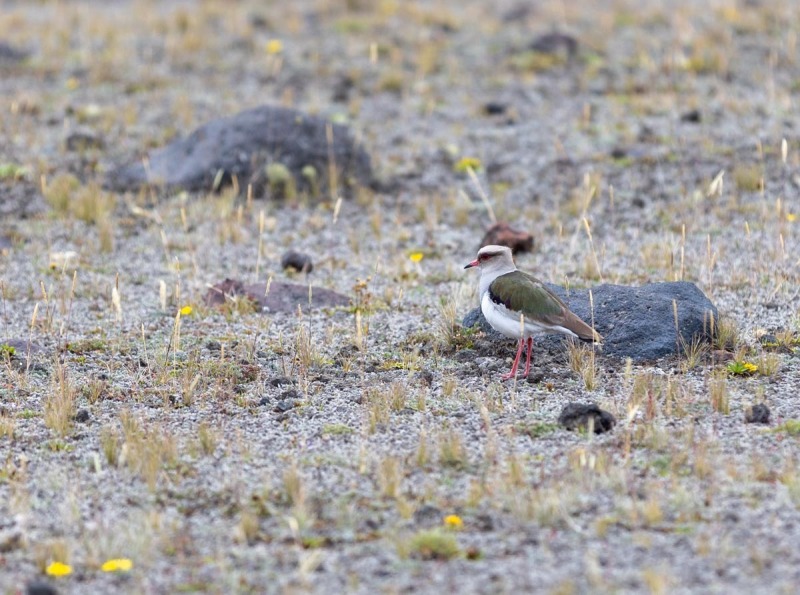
(474, 263)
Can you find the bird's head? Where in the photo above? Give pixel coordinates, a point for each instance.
(493, 257)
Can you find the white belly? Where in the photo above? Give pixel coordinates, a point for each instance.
(508, 323)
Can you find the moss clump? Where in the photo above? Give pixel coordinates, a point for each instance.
(434, 544)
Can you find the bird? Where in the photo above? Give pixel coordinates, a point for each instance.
(519, 306)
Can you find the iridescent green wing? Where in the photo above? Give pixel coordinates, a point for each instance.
(524, 293)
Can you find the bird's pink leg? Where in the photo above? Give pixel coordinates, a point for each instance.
(528, 359)
(514, 366)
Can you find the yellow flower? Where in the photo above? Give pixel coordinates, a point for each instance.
(72, 83)
(186, 310)
(453, 521)
(791, 217)
(274, 46)
(750, 367)
(58, 569)
(466, 163)
(416, 256)
(117, 565)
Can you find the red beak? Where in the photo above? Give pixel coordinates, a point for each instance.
(474, 263)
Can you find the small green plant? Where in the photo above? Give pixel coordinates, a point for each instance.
(280, 181)
(7, 351)
(748, 178)
(337, 430)
(82, 346)
(13, 171)
(741, 368)
(537, 429)
(434, 544)
(790, 427)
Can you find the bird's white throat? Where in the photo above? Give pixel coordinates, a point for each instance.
(491, 271)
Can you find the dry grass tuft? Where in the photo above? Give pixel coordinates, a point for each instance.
(59, 404)
(582, 361)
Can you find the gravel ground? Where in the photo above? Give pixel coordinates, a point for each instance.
(372, 448)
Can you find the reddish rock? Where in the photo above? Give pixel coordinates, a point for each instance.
(502, 234)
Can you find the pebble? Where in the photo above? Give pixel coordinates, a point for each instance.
(297, 261)
(579, 416)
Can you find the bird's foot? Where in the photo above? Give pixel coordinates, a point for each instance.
(508, 376)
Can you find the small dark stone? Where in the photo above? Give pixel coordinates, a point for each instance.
(425, 377)
(83, 140)
(284, 405)
(213, 345)
(502, 234)
(757, 414)
(555, 43)
(342, 87)
(638, 202)
(39, 587)
(263, 401)
(692, 116)
(290, 394)
(82, 416)
(495, 108)
(484, 522)
(618, 153)
(579, 416)
(10, 54)
(280, 381)
(535, 377)
(298, 261)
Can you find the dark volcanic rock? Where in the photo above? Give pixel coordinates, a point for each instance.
(580, 416)
(282, 297)
(284, 405)
(40, 587)
(757, 414)
(248, 146)
(83, 140)
(10, 54)
(692, 116)
(502, 234)
(82, 416)
(636, 322)
(555, 43)
(297, 261)
(20, 347)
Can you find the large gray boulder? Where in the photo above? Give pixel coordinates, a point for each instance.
(636, 322)
(292, 148)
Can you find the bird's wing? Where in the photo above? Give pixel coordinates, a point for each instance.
(524, 293)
